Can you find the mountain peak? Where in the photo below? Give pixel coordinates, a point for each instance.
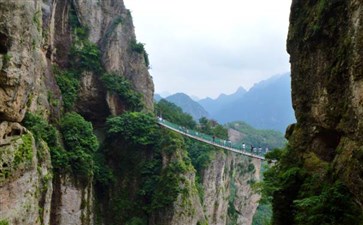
(241, 90)
(188, 105)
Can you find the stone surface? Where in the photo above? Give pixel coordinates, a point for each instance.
(25, 181)
(112, 28)
(325, 43)
(74, 203)
(20, 56)
(34, 36)
(217, 179)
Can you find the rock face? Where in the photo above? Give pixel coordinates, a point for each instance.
(73, 203)
(325, 43)
(227, 188)
(112, 29)
(25, 177)
(20, 56)
(36, 39)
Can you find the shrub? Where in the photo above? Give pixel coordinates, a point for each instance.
(168, 187)
(78, 133)
(174, 114)
(68, 83)
(140, 48)
(137, 47)
(80, 144)
(42, 130)
(122, 87)
(86, 55)
(332, 205)
(301, 197)
(4, 222)
(6, 58)
(135, 127)
(136, 221)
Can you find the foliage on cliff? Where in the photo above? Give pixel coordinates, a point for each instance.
(173, 113)
(79, 144)
(300, 196)
(318, 179)
(135, 148)
(120, 86)
(270, 138)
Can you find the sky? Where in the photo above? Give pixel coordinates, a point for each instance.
(208, 47)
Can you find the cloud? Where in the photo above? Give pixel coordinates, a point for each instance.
(208, 47)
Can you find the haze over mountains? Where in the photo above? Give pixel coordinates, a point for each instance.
(213, 106)
(267, 105)
(188, 105)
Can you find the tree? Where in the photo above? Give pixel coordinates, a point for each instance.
(135, 127)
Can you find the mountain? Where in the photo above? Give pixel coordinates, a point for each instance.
(214, 105)
(157, 97)
(267, 105)
(241, 132)
(188, 105)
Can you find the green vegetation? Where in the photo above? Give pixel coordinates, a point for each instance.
(174, 114)
(169, 184)
(85, 56)
(140, 48)
(4, 222)
(232, 212)
(136, 221)
(42, 130)
(134, 127)
(122, 87)
(263, 214)
(299, 197)
(201, 155)
(37, 19)
(264, 138)
(68, 83)
(138, 147)
(137, 46)
(73, 18)
(24, 154)
(117, 21)
(16, 156)
(79, 141)
(80, 144)
(202, 222)
(331, 203)
(6, 58)
(211, 127)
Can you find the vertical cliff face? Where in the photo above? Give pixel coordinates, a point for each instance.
(25, 169)
(326, 47)
(21, 58)
(63, 57)
(112, 29)
(25, 177)
(228, 197)
(325, 43)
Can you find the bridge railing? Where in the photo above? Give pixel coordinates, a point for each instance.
(209, 138)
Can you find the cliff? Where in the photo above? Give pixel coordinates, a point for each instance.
(321, 172)
(78, 140)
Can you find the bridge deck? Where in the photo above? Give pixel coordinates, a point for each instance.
(207, 139)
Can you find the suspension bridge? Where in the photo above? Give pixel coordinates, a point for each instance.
(215, 141)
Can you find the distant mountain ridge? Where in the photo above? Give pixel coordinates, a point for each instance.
(267, 105)
(157, 97)
(215, 105)
(188, 105)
